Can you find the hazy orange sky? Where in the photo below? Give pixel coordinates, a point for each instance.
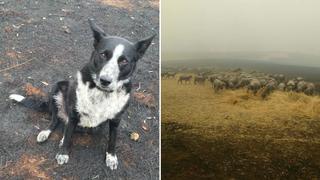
(239, 25)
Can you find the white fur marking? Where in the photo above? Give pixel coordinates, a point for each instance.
(111, 68)
(61, 142)
(61, 107)
(111, 161)
(43, 135)
(16, 97)
(96, 106)
(62, 158)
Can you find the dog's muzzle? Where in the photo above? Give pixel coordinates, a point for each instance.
(105, 84)
(104, 81)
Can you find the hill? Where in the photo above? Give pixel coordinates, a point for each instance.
(310, 73)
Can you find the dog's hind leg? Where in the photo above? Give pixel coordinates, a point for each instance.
(44, 134)
(57, 89)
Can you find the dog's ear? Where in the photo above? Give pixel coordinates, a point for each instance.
(142, 45)
(98, 33)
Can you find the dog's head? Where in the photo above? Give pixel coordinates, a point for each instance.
(114, 58)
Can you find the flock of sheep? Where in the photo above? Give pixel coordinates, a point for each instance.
(254, 82)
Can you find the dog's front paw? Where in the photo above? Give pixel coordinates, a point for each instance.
(111, 161)
(43, 136)
(62, 158)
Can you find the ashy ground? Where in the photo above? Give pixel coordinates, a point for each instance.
(235, 135)
(42, 42)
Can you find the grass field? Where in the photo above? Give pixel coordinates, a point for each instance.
(234, 135)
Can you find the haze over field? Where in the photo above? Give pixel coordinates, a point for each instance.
(285, 31)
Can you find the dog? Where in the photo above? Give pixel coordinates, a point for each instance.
(99, 95)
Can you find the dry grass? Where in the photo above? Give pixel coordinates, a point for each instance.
(235, 135)
(123, 4)
(284, 116)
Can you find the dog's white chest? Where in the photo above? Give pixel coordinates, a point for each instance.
(95, 106)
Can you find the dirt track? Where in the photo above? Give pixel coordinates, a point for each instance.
(46, 41)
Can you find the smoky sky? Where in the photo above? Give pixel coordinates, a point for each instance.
(202, 26)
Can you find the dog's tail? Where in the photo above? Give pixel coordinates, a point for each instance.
(34, 104)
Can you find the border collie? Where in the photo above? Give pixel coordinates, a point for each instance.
(99, 94)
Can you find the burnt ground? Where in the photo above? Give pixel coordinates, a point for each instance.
(42, 42)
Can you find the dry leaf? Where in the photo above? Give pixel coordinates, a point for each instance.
(8, 29)
(45, 83)
(67, 11)
(66, 29)
(12, 54)
(145, 126)
(146, 99)
(134, 136)
(31, 90)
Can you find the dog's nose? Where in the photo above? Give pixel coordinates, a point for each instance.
(104, 81)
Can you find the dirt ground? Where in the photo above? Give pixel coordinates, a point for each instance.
(42, 42)
(236, 135)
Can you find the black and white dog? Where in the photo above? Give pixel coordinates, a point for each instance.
(100, 93)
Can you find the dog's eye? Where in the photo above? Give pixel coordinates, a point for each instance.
(105, 55)
(123, 61)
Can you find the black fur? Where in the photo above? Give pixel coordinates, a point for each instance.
(103, 48)
(35, 104)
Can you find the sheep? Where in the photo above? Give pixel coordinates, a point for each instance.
(254, 86)
(218, 85)
(243, 82)
(199, 80)
(291, 85)
(212, 78)
(164, 75)
(171, 75)
(231, 83)
(271, 85)
(282, 86)
(185, 78)
(301, 86)
(310, 89)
